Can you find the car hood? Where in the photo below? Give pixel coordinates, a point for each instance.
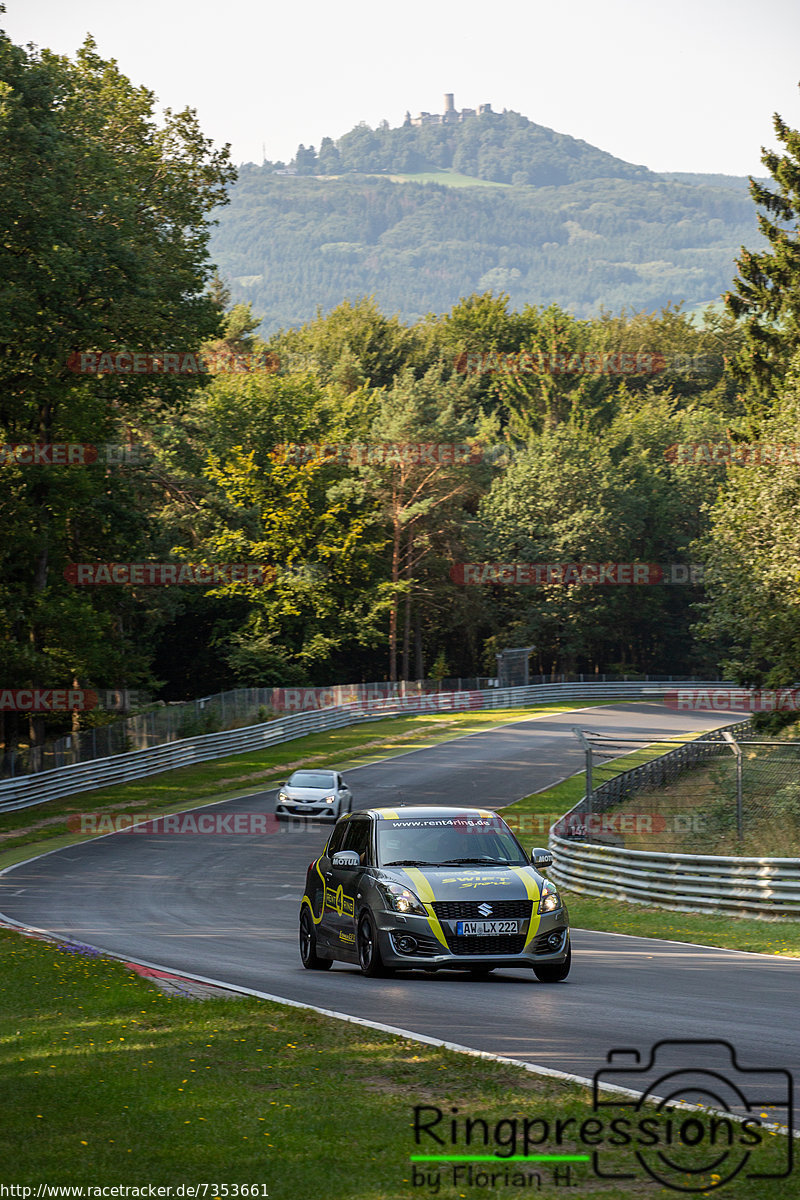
(466, 883)
(299, 793)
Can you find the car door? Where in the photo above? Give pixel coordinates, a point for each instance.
(327, 931)
(342, 888)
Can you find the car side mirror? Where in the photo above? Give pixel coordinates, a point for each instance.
(346, 859)
(541, 858)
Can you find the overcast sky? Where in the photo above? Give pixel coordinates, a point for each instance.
(678, 85)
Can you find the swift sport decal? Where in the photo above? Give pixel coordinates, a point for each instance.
(472, 880)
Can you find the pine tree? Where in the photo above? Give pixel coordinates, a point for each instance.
(767, 290)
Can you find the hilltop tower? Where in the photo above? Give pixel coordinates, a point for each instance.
(450, 116)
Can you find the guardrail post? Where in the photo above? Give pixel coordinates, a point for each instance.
(737, 750)
(587, 748)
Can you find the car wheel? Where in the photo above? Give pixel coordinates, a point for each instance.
(554, 972)
(308, 946)
(369, 954)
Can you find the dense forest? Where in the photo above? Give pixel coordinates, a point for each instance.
(313, 453)
(419, 217)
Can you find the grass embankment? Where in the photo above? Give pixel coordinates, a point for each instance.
(45, 827)
(701, 806)
(446, 176)
(106, 1082)
(531, 819)
(533, 815)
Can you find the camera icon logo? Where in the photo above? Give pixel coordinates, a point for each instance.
(693, 1128)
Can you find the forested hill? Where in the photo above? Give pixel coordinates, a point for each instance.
(499, 147)
(421, 216)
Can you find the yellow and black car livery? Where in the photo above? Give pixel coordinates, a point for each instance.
(429, 888)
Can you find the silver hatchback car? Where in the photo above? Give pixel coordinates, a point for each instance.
(313, 793)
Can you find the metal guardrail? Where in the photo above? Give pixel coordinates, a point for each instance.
(159, 723)
(29, 790)
(755, 887)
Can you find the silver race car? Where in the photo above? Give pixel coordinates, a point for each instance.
(313, 793)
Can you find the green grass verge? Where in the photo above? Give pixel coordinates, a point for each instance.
(44, 827)
(705, 929)
(447, 177)
(701, 803)
(107, 1082)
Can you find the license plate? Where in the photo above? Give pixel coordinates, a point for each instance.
(485, 928)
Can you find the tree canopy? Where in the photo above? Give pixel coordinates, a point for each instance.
(362, 459)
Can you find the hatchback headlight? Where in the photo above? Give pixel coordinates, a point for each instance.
(330, 799)
(550, 899)
(282, 797)
(402, 900)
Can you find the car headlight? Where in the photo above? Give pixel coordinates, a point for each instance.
(402, 900)
(330, 799)
(282, 797)
(550, 899)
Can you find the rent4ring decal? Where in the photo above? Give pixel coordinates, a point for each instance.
(343, 905)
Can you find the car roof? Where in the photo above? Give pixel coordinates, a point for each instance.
(417, 812)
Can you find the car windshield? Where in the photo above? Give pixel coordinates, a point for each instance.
(312, 779)
(439, 841)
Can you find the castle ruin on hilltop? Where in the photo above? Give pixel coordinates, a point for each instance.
(450, 116)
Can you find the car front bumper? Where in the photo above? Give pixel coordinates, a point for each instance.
(431, 955)
(321, 812)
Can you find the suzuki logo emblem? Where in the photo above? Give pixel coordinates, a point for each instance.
(484, 909)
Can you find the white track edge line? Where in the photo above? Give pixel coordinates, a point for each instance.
(695, 945)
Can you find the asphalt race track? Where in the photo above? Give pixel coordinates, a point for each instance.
(226, 907)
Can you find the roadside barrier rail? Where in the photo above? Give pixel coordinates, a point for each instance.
(27, 790)
(745, 887)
